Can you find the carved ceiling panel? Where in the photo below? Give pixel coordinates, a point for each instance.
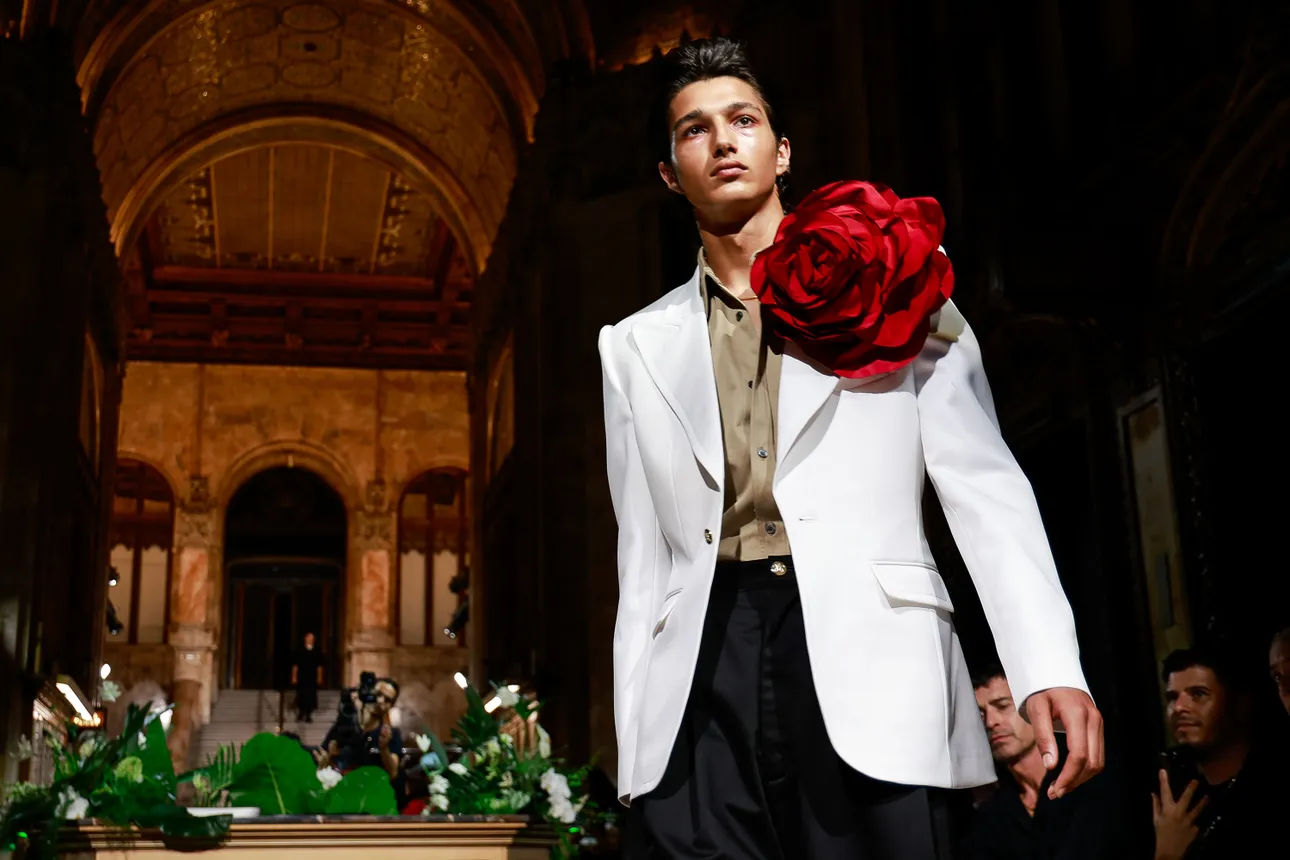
(366, 57)
(301, 208)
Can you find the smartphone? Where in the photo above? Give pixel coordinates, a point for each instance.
(1178, 770)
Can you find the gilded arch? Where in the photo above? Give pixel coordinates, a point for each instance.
(203, 69)
(338, 128)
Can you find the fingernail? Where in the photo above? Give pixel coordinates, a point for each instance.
(1049, 760)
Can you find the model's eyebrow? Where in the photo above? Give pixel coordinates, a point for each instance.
(700, 112)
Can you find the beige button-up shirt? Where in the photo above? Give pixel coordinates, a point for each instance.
(746, 364)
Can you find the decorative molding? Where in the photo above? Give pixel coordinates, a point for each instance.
(374, 531)
(193, 528)
(376, 497)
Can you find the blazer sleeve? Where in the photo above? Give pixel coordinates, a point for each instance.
(995, 520)
(639, 542)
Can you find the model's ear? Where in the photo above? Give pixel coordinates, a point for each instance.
(668, 173)
(783, 157)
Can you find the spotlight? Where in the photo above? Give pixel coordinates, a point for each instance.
(493, 704)
(460, 679)
(113, 578)
(104, 671)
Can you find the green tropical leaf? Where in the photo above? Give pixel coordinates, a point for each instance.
(155, 755)
(365, 790)
(275, 774)
(476, 726)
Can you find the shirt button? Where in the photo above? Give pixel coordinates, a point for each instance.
(750, 383)
(763, 453)
(707, 536)
(739, 315)
(770, 528)
(778, 568)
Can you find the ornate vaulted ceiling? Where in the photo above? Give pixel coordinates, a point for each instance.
(310, 181)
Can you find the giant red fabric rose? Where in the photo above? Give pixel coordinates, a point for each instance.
(854, 277)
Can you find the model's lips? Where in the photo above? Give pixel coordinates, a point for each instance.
(728, 169)
(998, 739)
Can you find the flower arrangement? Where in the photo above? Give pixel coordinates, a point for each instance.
(123, 781)
(493, 774)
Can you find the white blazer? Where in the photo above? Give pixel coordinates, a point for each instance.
(892, 682)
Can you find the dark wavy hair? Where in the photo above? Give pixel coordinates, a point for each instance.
(705, 60)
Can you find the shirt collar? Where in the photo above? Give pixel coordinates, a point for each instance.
(719, 289)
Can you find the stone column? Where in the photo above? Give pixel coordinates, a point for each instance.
(191, 635)
(370, 639)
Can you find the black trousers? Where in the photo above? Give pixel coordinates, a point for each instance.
(753, 775)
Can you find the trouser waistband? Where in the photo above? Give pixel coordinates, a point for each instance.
(774, 572)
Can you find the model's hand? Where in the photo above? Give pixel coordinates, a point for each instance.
(1175, 820)
(322, 759)
(1083, 723)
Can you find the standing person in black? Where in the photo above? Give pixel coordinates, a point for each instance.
(1021, 821)
(307, 677)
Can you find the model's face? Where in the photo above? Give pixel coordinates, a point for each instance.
(1011, 737)
(309, 640)
(1196, 706)
(725, 155)
(1279, 665)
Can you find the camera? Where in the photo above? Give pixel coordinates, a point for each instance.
(366, 689)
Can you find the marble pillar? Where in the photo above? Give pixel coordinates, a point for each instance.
(192, 632)
(370, 639)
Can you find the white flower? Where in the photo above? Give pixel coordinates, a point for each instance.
(562, 810)
(329, 776)
(544, 742)
(22, 749)
(508, 740)
(437, 801)
(423, 743)
(492, 749)
(508, 698)
(508, 779)
(109, 691)
(89, 747)
(438, 785)
(72, 804)
(556, 785)
(458, 768)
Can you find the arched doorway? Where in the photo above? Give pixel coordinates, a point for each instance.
(284, 556)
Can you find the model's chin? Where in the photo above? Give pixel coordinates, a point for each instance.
(738, 194)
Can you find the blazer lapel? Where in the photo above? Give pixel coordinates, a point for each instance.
(675, 349)
(804, 387)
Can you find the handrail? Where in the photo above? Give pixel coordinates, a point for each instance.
(282, 700)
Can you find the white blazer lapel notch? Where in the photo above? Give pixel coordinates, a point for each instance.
(675, 349)
(804, 388)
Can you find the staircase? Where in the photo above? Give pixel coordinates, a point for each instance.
(239, 714)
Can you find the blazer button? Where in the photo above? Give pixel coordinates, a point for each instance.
(707, 536)
(778, 568)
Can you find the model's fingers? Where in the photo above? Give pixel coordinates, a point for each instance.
(1076, 721)
(1039, 710)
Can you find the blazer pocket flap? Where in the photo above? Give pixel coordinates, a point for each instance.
(912, 583)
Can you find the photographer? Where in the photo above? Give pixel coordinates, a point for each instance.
(363, 734)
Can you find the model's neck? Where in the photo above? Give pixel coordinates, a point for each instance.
(1029, 772)
(1223, 762)
(729, 246)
